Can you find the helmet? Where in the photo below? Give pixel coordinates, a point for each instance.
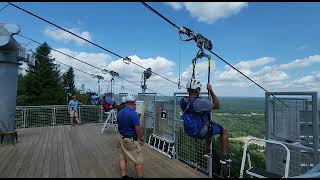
(130, 97)
(194, 84)
(123, 99)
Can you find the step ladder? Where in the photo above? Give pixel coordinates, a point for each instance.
(162, 145)
(111, 121)
(260, 173)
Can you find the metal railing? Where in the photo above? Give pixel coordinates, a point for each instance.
(55, 115)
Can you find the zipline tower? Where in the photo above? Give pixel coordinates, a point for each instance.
(113, 74)
(11, 52)
(145, 75)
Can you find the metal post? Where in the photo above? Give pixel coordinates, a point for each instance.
(8, 78)
(174, 126)
(315, 126)
(24, 115)
(266, 115)
(79, 115)
(144, 101)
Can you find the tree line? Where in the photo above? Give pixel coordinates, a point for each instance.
(45, 84)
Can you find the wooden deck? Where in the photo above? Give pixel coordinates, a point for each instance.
(79, 151)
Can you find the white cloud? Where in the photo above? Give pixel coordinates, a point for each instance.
(130, 72)
(175, 5)
(60, 35)
(300, 63)
(245, 67)
(210, 12)
(201, 71)
(302, 48)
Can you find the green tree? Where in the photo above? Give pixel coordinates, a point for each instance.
(21, 97)
(68, 81)
(42, 82)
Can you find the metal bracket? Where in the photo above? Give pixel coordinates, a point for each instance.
(126, 60)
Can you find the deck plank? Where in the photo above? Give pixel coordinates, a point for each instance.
(80, 151)
(67, 160)
(30, 155)
(76, 173)
(46, 165)
(61, 162)
(39, 164)
(18, 155)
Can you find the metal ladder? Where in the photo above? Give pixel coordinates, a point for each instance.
(111, 121)
(260, 173)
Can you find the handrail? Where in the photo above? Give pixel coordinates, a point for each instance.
(286, 172)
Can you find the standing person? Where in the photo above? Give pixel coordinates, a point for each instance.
(129, 133)
(198, 111)
(95, 99)
(121, 105)
(108, 102)
(73, 109)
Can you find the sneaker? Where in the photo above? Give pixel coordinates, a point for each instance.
(226, 160)
(207, 155)
(127, 177)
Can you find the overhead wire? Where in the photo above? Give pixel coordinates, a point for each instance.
(177, 27)
(81, 70)
(77, 59)
(94, 44)
(4, 7)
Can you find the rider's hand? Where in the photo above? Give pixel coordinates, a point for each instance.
(209, 87)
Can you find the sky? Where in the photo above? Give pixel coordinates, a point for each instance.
(276, 44)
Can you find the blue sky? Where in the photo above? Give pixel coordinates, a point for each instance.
(274, 43)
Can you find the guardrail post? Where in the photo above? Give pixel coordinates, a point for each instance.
(53, 116)
(79, 114)
(101, 114)
(24, 117)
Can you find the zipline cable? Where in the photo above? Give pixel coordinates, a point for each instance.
(85, 62)
(53, 24)
(81, 71)
(189, 33)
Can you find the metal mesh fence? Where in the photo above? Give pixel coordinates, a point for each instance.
(300, 160)
(190, 150)
(61, 115)
(41, 116)
(90, 114)
(19, 121)
(295, 125)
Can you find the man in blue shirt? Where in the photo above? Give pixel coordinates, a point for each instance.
(129, 133)
(204, 107)
(95, 99)
(73, 109)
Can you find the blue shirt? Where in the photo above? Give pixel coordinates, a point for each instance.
(199, 104)
(108, 99)
(94, 99)
(73, 104)
(128, 119)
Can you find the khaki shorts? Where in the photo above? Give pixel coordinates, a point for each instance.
(73, 114)
(131, 150)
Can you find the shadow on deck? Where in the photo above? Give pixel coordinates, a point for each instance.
(79, 151)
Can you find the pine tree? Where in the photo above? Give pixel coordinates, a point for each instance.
(43, 84)
(68, 81)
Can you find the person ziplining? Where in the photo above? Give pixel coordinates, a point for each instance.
(197, 113)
